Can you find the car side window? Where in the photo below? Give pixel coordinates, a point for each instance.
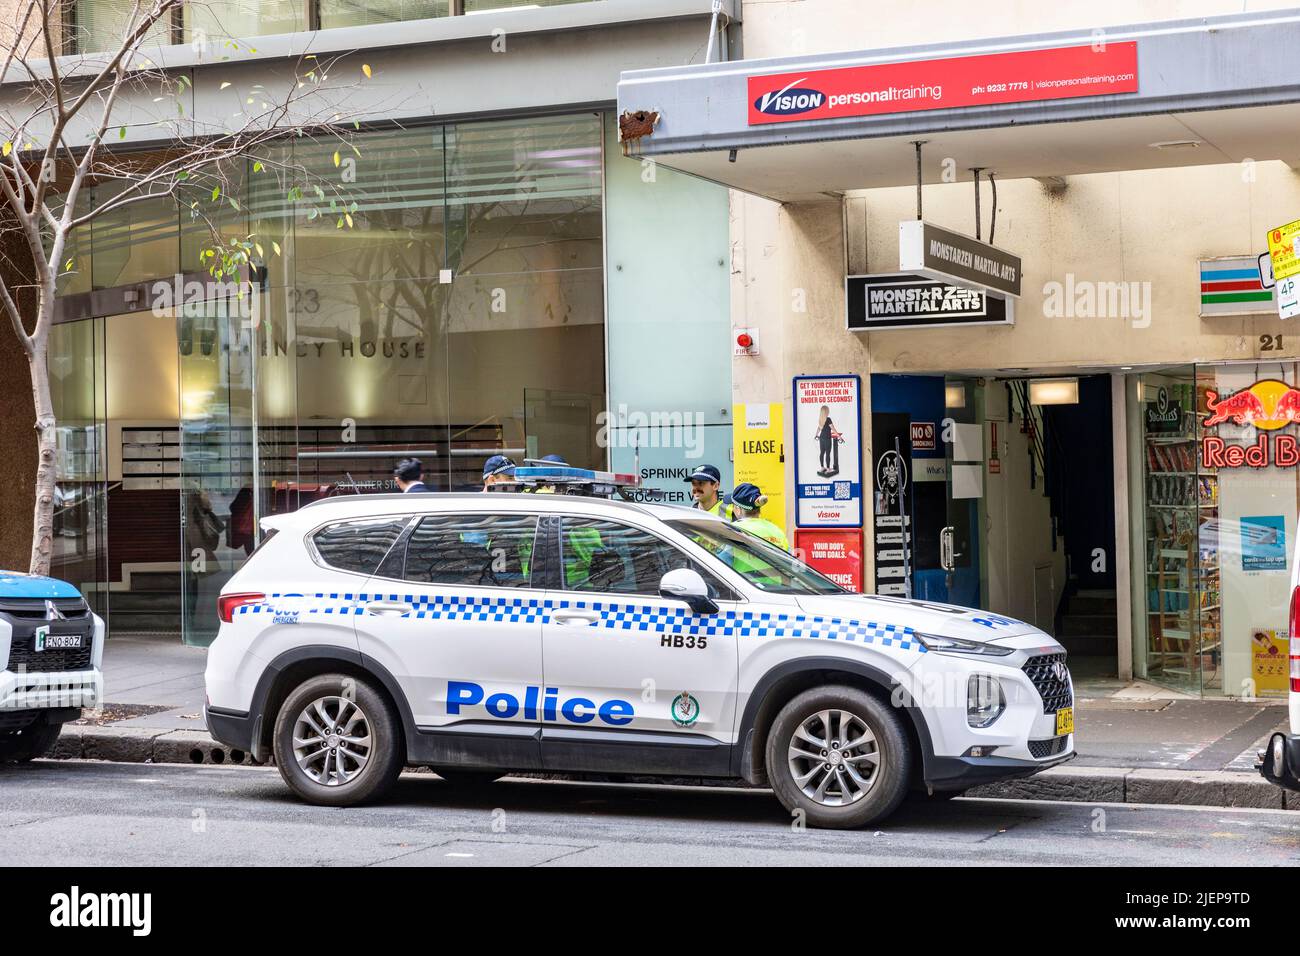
(358, 546)
(476, 550)
(608, 557)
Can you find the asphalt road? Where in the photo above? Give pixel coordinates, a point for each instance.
(86, 813)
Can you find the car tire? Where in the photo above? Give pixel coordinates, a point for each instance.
(361, 750)
(468, 779)
(35, 740)
(850, 796)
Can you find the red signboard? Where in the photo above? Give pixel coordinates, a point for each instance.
(992, 78)
(836, 554)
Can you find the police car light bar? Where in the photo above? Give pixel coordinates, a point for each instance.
(565, 474)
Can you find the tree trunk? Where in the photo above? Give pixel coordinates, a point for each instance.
(46, 460)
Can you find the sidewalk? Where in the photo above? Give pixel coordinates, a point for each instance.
(1136, 742)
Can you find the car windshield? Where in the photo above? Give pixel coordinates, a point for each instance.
(761, 564)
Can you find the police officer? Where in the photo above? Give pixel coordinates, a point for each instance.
(746, 503)
(497, 470)
(705, 483)
(409, 475)
(546, 488)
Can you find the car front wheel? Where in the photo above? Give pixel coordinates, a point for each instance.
(337, 741)
(839, 756)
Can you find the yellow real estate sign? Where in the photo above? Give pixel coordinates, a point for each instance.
(1282, 250)
(758, 445)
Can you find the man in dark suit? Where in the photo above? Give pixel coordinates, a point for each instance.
(409, 475)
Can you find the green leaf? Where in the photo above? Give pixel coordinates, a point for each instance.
(216, 193)
(313, 214)
(276, 246)
(121, 133)
(257, 167)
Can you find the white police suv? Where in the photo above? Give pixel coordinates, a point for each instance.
(485, 633)
(51, 649)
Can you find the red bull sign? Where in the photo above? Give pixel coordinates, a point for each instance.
(1267, 405)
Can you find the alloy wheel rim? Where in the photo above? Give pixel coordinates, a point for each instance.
(331, 741)
(834, 758)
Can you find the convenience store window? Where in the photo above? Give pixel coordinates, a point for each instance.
(1220, 493)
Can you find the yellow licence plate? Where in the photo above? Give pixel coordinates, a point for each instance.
(1064, 721)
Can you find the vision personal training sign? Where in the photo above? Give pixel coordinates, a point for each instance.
(989, 79)
(951, 257)
(903, 300)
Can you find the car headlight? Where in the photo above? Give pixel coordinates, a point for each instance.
(956, 645)
(985, 701)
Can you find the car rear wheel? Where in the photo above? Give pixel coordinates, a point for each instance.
(839, 756)
(337, 741)
(35, 740)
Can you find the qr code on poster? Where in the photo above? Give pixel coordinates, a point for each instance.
(840, 490)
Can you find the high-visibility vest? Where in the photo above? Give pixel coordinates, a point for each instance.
(762, 528)
(715, 510)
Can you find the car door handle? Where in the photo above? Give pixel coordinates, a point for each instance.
(576, 618)
(388, 608)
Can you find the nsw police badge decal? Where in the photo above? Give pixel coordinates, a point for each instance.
(685, 710)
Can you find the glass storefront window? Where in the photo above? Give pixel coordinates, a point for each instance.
(482, 6)
(133, 243)
(460, 314)
(526, 331)
(1248, 415)
(1219, 495)
(98, 24)
(77, 387)
(243, 18)
(355, 13)
(1166, 408)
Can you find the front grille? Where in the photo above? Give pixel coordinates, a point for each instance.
(1053, 688)
(23, 659)
(1039, 749)
(25, 615)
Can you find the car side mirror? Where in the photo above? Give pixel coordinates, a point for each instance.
(687, 585)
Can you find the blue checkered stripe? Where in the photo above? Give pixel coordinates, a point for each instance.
(336, 602)
(482, 609)
(614, 615)
(681, 620)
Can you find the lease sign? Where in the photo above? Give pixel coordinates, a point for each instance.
(989, 79)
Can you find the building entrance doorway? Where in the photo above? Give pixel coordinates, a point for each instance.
(1010, 500)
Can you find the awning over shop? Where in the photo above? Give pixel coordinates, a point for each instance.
(1175, 93)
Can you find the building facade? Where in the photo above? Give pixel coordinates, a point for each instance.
(1060, 458)
(494, 290)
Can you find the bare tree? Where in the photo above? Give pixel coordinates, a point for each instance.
(57, 118)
